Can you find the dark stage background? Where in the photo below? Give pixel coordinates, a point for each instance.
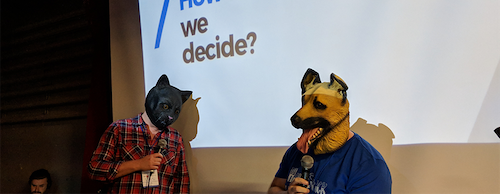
(55, 90)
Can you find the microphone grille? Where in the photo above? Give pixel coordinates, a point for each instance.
(307, 162)
(162, 143)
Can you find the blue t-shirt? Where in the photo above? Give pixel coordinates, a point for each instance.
(356, 167)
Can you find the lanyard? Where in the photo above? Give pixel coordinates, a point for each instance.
(147, 140)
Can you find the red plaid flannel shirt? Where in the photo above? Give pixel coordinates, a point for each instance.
(124, 141)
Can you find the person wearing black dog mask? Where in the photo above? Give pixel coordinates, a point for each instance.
(126, 157)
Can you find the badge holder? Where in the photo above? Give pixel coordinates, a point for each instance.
(150, 178)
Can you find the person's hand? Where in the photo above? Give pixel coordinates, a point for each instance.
(151, 162)
(297, 186)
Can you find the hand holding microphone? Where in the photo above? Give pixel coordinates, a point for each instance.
(150, 177)
(156, 158)
(301, 184)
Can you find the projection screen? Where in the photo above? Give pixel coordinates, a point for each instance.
(427, 69)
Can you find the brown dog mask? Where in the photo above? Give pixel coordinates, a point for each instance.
(324, 116)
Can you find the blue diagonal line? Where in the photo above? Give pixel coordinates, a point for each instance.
(162, 22)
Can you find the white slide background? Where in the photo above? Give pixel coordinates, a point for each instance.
(421, 67)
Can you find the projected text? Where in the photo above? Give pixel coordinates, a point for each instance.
(227, 48)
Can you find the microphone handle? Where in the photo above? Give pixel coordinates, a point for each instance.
(305, 175)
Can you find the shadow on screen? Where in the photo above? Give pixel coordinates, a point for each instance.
(381, 138)
(187, 125)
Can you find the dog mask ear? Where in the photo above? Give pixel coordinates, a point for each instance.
(343, 87)
(311, 77)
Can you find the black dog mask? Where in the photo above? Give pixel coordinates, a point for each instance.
(164, 103)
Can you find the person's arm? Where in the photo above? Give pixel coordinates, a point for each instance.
(149, 162)
(278, 186)
(181, 174)
(103, 165)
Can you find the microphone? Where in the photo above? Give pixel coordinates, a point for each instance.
(162, 143)
(307, 163)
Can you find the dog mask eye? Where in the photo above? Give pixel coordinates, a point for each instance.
(177, 111)
(318, 105)
(165, 106)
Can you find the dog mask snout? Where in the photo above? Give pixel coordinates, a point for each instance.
(296, 120)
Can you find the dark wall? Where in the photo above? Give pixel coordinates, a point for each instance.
(55, 71)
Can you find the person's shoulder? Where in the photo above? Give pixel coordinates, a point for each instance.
(292, 151)
(128, 121)
(170, 131)
(173, 135)
(364, 147)
(292, 148)
(126, 124)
